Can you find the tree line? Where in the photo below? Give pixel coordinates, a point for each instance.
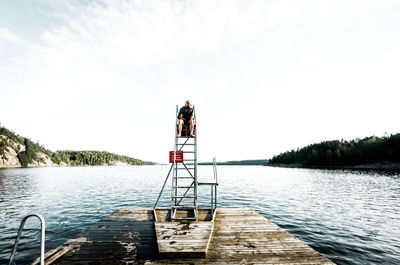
(255, 162)
(344, 153)
(93, 158)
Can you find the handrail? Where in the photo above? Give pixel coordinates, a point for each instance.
(42, 242)
(174, 166)
(194, 115)
(196, 201)
(215, 170)
(214, 192)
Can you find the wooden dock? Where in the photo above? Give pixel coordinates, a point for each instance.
(239, 236)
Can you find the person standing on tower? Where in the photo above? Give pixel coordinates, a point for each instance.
(185, 116)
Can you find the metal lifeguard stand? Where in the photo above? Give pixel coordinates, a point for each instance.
(184, 175)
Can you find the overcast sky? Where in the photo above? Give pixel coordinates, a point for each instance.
(265, 76)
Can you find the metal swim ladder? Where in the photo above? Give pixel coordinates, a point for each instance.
(42, 242)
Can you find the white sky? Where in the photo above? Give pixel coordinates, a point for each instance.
(265, 76)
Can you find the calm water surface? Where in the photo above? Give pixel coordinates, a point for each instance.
(352, 217)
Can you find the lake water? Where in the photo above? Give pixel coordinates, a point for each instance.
(352, 217)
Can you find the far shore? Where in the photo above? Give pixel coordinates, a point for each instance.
(374, 166)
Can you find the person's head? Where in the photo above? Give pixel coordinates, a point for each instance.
(188, 104)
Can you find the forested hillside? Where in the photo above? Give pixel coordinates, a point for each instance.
(344, 153)
(18, 151)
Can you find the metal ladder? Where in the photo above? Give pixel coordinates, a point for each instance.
(184, 175)
(42, 242)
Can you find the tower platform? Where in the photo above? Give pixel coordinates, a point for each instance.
(183, 239)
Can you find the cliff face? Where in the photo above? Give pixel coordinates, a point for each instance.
(9, 157)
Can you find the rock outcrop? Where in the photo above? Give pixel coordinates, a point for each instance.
(44, 161)
(10, 159)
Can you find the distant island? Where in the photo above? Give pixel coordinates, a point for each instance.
(18, 151)
(257, 162)
(369, 153)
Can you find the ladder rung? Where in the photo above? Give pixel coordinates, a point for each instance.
(184, 187)
(185, 168)
(183, 177)
(191, 152)
(184, 207)
(183, 144)
(188, 160)
(183, 197)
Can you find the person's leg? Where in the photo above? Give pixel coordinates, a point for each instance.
(191, 128)
(180, 128)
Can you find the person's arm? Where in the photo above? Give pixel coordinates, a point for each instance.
(180, 115)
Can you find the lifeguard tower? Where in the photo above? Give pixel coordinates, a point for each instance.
(185, 181)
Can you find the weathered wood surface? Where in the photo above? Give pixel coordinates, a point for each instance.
(183, 239)
(177, 239)
(124, 237)
(240, 236)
